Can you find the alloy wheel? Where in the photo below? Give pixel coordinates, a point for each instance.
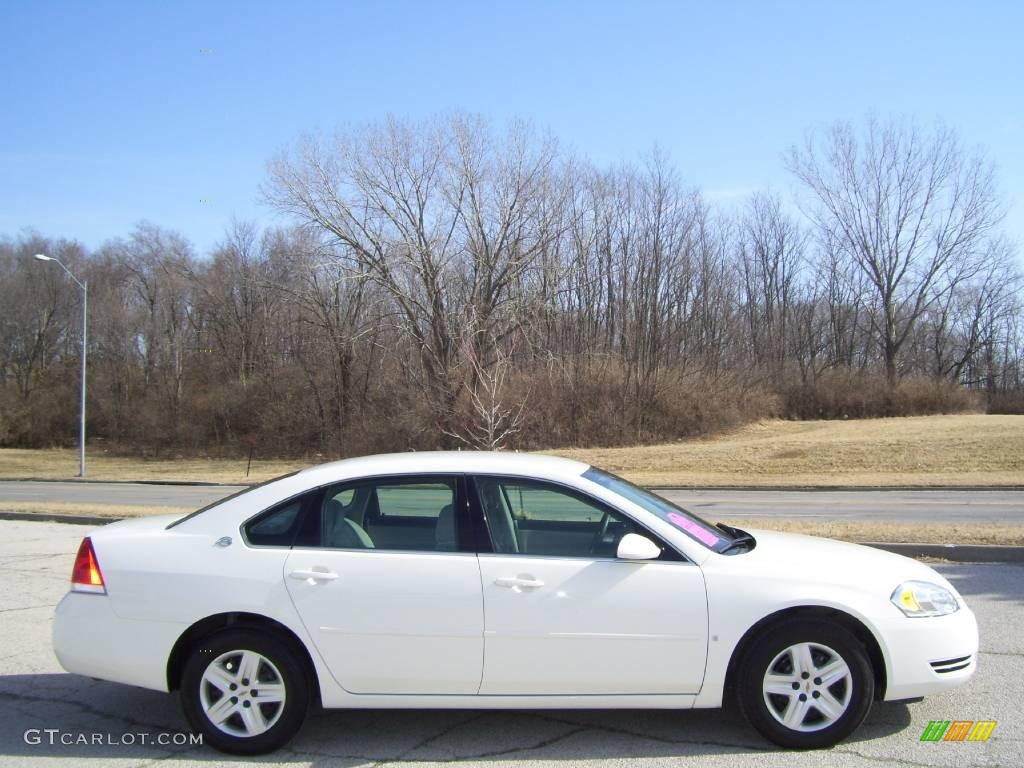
(242, 693)
(807, 687)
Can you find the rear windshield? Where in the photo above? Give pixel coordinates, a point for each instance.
(234, 495)
(696, 528)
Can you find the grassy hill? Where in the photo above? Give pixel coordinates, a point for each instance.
(922, 451)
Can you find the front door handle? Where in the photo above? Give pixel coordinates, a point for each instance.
(314, 575)
(519, 582)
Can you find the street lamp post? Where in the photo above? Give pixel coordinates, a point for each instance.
(85, 320)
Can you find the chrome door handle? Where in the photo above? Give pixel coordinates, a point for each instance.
(517, 581)
(313, 575)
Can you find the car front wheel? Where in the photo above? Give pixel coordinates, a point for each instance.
(244, 691)
(806, 684)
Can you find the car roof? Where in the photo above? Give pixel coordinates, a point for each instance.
(428, 462)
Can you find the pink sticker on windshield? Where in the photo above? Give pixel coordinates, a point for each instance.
(700, 533)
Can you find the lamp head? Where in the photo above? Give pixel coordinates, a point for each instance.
(42, 257)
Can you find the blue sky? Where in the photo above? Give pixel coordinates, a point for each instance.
(112, 114)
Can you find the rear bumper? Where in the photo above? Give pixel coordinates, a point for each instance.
(929, 655)
(90, 639)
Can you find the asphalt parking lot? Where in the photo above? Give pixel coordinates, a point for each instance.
(35, 695)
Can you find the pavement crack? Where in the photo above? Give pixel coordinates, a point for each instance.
(513, 750)
(171, 755)
(896, 760)
(25, 608)
(440, 735)
(653, 737)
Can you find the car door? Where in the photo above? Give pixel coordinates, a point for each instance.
(564, 616)
(391, 602)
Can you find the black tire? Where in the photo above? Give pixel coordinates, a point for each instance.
(769, 653)
(284, 719)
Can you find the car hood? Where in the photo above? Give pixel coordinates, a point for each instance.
(827, 561)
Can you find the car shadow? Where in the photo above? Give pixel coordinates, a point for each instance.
(131, 720)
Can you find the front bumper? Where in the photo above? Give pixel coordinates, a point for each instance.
(90, 639)
(927, 655)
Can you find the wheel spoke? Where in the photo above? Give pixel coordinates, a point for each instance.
(803, 662)
(219, 678)
(779, 684)
(795, 713)
(255, 722)
(833, 672)
(829, 706)
(221, 710)
(249, 666)
(270, 693)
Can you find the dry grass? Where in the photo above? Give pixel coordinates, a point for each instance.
(921, 450)
(100, 510)
(916, 533)
(62, 464)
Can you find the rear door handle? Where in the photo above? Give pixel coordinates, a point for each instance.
(519, 582)
(314, 575)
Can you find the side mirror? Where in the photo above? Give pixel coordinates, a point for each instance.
(633, 546)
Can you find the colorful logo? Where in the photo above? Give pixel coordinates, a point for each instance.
(958, 730)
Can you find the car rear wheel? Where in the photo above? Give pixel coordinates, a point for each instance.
(244, 691)
(806, 684)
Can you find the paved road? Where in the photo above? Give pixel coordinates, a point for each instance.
(995, 506)
(1002, 506)
(35, 560)
(138, 494)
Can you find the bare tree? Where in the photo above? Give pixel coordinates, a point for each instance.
(771, 257)
(445, 217)
(491, 417)
(910, 209)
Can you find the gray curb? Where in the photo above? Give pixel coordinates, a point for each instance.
(53, 517)
(960, 553)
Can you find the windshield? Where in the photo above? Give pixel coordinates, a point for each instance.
(696, 528)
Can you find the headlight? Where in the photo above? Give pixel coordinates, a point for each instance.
(919, 598)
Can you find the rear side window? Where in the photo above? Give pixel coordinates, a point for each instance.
(415, 514)
(276, 527)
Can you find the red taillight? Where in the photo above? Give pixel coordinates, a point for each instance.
(86, 575)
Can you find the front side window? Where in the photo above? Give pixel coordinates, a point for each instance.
(530, 517)
(412, 514)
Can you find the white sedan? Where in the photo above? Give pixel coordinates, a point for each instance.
(478, 580)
